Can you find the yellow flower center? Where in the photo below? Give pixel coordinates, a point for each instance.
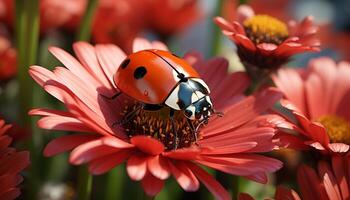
(338, 128)
(265, 29)
(157, 124)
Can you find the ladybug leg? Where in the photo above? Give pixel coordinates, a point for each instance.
(112, 97)
(194, 132)
(171, 114)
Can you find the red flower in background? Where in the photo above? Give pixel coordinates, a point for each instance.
(12, 163)
(228, 144)
(167, 17)
(53, 13)
(8, 63)
(319, 99)
(328, 182)
(119, 22)
(264, 42)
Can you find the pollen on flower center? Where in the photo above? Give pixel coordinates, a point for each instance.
(157, 124)
(338, 128)
(265, 29)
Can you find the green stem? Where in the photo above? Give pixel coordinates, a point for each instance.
(216, 30)
(114, 183)
(84, 183)
(84, 32)
(27, 36)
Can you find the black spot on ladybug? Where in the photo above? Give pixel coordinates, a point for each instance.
(140, 72)
(125, 63)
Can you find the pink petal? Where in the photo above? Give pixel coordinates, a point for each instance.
(158, 167)
(151, 185)
(141, 44)
(243, 111)
(109, 57)
(106, 163)
(148, 145)
(241, 164)
(41, 74)
(339, 169)
(184, 176)
(66, 143)
(87, 56)
(329, 181)
(339, 147)
(63, 124)
(116, 142)
(292, 85)
(224, 24)
(137, 167)
(213, 186)
(286, 194)
(159, 45)
(75, 67)
(90, 151)
(244, 12)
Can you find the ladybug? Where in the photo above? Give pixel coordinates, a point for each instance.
(158, 78)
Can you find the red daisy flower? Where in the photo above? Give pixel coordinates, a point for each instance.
(264, 42)
(328, 182)
(8, 66)
(228, 144)
(319, 99)
(12, 163)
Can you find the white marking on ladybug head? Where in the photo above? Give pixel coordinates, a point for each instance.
(194, 97)
(199, 94)
(173, 98)
(209, 100)
(202, 83)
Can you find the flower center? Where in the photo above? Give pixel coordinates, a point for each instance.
(265, 29)
(338, 128)
(158, 124)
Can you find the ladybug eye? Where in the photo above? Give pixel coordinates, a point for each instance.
(140, 72)
(125, 63)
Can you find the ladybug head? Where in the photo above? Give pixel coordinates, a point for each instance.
(200, 110)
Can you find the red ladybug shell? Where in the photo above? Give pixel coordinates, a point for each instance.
(150, 76)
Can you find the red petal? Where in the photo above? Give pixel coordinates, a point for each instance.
(152, 185)
(339, 169)
(286, 194)
(213, 186)
(329, 181)
(158, 167)
(106, 163)
(310, 186)
(90, 151)
(10, 194)
(137, 167)
(244, 196)
(184, 176)
(66, 143)
(148, 145)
